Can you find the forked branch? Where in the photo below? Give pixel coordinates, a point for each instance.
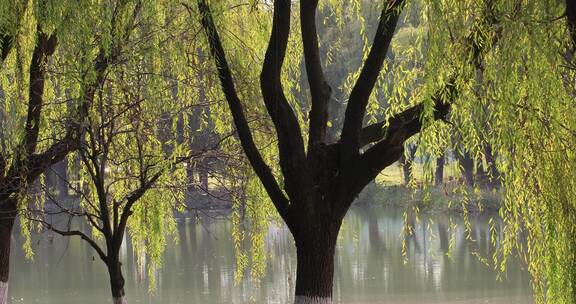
(358, 100)
(319, 88)
(244, 134)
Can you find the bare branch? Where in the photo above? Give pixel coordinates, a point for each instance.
(131, 199)
(75, 233)
(45, 47)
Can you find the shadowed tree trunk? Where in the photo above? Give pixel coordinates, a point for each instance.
(439, 173)
(321, 182)
(7, 218)
(315, 247)
(116, 279)
(493, 178)
(466, 166)
(406, 163)
(59, 176)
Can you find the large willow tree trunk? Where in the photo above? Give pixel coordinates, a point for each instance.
(315, 249)
(116, 281)
(7, 218)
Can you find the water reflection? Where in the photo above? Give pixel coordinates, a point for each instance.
(370, 266)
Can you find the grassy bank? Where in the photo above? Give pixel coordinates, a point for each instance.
(451, 196)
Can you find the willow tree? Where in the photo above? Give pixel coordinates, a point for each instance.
(30, 33)
(26, 165)
(321, 178)
(539, 149)
(522, 91)
(124, 176)
(127, 139)
(39, 37)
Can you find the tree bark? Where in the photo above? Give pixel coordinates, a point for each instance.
(190, 183)
(467, 167)
(3, 292)
(116, 281)
(315, 248)
(493, 181)
(439, 174)
(7, 217)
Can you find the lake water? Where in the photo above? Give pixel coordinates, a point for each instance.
(370, 266)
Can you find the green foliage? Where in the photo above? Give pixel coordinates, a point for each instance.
(518, 102)
(518, 98)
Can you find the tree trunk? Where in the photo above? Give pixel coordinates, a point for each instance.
(203, 172)
(406, 162)
(493, 173)
(7, 216)
(190, 184)
(116, 281)
(61, 172)
(467, 167)
(315, 248)
(439, 174)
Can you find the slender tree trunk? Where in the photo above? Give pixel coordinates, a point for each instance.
(315, 248)
(7, 217)
(443, 236)
(61, 173)
(203, 172)
(190, 184)
(493, 173)
(439, 174)
(116, 281)
(406, 162)
(467, 166)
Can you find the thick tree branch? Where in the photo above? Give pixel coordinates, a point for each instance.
(319, 88)
(366, 167)
(5, 46)
(20, 169)
(254, 157)
(38, 163)
(372, 133)
(408, 122)
(290, 142)
(45, 47)
(361, 91)
(400, 128)
(571, 19)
